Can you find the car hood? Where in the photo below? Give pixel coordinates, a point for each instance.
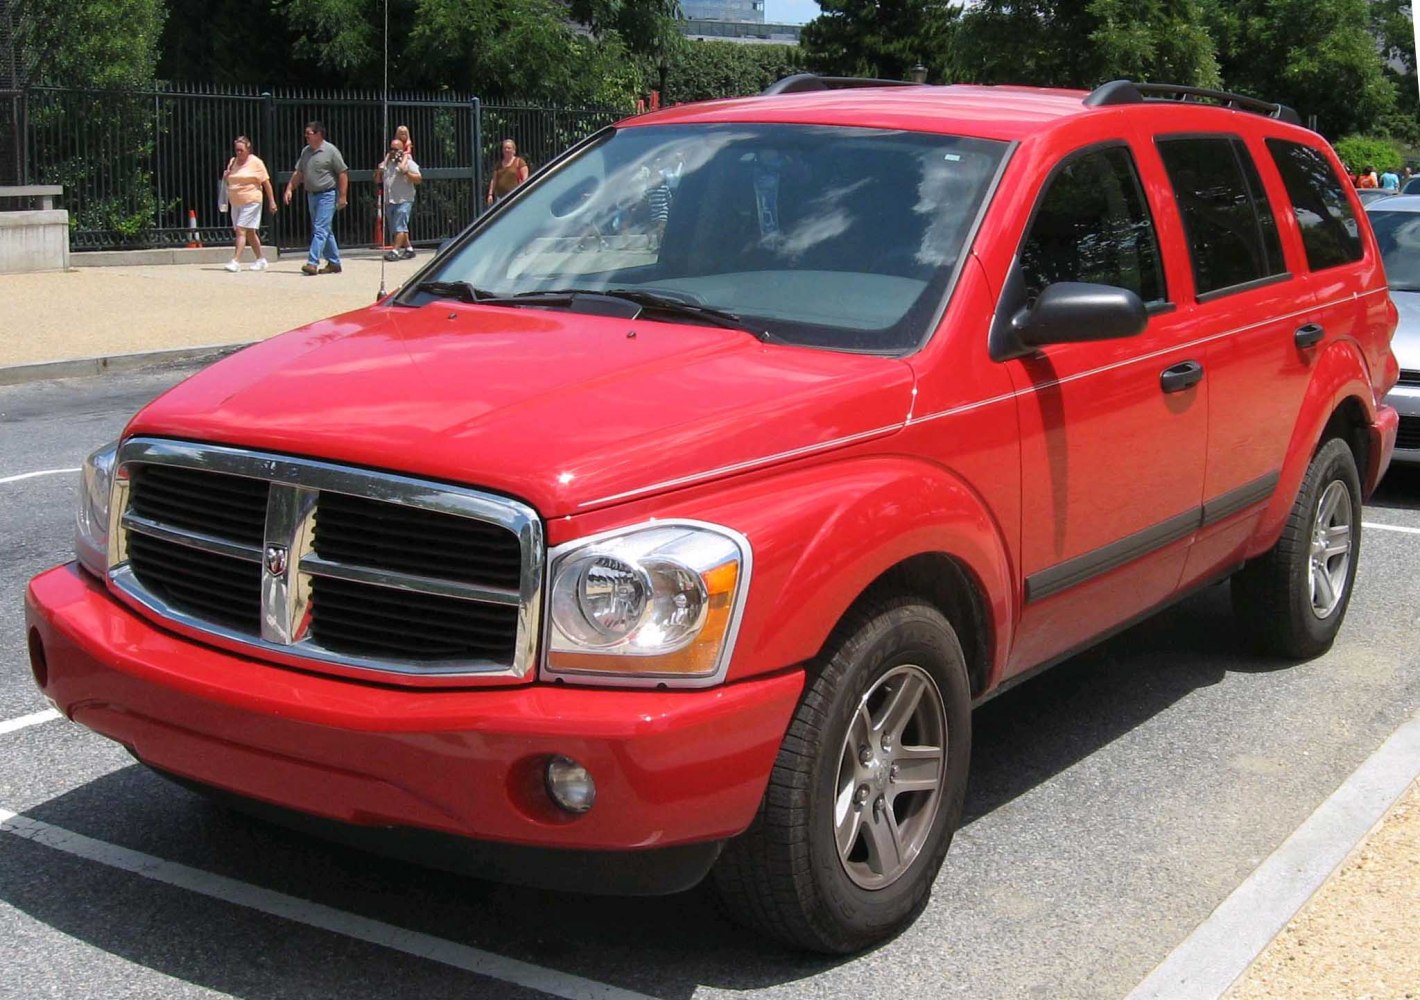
(565, 411)
(1406, 343)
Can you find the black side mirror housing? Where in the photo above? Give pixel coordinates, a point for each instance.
(1064, 313)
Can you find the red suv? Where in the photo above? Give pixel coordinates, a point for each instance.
(674, 518)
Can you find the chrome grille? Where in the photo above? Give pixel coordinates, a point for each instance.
(362, 572)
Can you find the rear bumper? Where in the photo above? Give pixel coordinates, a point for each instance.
(672, 768)
(1382, 445)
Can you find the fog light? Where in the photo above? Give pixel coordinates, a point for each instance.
(569, 785)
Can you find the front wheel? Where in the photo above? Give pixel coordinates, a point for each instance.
(867, 789)
(1293, 598)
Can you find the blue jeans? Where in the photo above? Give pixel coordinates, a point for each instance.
(322, 208)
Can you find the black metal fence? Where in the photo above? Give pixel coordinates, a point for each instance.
(141, 168)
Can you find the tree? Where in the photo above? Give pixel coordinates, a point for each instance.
(98, 43)
(703, 70)
(879, 38)
(1083, 43)
(1319, 56)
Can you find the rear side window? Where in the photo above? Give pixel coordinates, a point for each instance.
(1319, 200)
(1232, 236)
(1093, 225)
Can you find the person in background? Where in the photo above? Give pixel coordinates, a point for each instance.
(247, 181)
(1390, 180)
(511, 171)
(402, 134)
(398, 175)
(1368, 178)
(322, 170)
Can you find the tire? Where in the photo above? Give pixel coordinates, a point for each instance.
(889, 705)
(1292, 599)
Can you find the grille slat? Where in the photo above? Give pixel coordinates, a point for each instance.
(1408, 436)
(1408, 376)
(232, 507)
(349, 620)
(211, 586)
(412, 540)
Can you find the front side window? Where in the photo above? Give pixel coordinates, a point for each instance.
(835, 237)
(1093, 225)
(1232, 236)
(1320, 203)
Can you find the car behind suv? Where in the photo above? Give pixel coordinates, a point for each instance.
(673, 519)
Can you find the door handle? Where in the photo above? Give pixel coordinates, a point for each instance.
(1309, 335)
(1181, 376)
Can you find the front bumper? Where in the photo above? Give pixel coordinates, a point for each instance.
(1406, 401)
(672, 768)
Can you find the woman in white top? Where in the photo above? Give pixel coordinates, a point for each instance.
(247, 180)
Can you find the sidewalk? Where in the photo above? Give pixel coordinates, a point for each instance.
(106, 312)
(1357, 938)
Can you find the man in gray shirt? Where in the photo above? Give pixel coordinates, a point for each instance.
(323, 171)
(398, 174)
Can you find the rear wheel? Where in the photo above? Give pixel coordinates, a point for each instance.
(867, 790)
(1293, 598)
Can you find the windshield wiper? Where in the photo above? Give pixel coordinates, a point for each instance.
(460, 290)
(668, 305)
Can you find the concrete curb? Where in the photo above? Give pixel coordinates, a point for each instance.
(80, 367)
(171, 255)
(1221, 948)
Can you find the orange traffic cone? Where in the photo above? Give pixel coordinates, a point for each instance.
(194, 241)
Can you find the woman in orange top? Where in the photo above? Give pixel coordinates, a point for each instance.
(247, 180)
(511, 171)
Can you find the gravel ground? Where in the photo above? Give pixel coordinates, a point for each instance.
(1358, 938)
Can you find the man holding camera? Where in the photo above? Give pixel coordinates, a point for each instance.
(399, 175)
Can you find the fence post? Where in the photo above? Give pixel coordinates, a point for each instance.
(476, 111)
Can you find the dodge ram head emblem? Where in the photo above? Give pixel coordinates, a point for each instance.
(276, 559)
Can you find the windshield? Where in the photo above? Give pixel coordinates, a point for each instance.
(843, 238)
(1398, 234)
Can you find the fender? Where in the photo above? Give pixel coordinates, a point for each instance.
(1340, 374)
(822, 534)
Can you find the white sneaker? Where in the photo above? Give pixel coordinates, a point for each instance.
(233, 266)
(260, 265)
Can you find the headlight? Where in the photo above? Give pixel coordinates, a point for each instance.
(96, 486)
(656, 604)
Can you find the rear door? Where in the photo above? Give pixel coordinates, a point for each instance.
(1257, 319)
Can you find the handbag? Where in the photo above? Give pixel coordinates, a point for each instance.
(222, 201)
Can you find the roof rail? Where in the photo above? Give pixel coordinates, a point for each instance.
(1129, 92)
(802, 82)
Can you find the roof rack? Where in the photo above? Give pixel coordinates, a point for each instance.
(801, 83)
(1129, 92)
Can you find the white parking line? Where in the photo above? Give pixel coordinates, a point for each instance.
(35, 475)
(311, 914)
(1369, 525)
(25, 721)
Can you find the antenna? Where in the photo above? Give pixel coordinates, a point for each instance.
(384, 134)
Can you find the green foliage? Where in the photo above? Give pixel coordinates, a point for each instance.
(96, 43)
(1316, 55)
(699, 71)
(879, 38)
(1067, 43)
(1361, 151)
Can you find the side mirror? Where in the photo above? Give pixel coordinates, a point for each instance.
(1068, 312)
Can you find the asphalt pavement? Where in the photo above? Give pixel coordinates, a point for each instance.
(1123, 807)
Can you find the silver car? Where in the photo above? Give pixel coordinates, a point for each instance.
(1396, 222)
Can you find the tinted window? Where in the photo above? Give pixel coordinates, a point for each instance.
(1232, 235)
(1093, 225)
(1398, 235)
(1320, 202)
